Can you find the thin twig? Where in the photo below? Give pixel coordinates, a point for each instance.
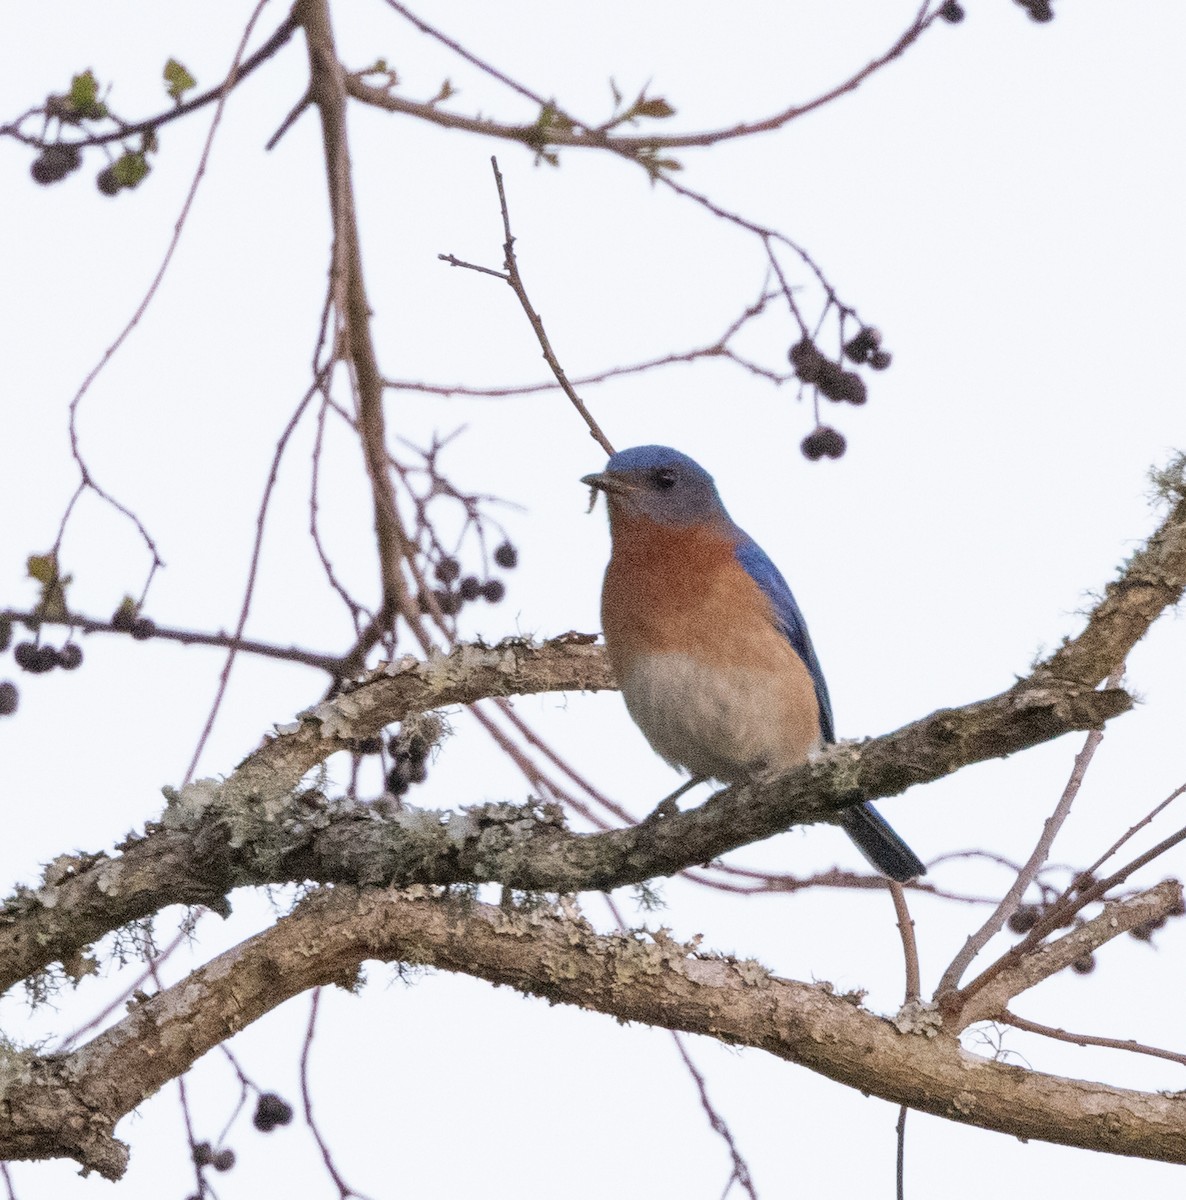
(741, 1172)
(909, 945)
(515, 279)
(238, 72)
(186, 637)
(344, 1189)
(1088, 1039)
(900, 1173)
(223, 91)
(252, 572)
(1028, 873)
(570, 131)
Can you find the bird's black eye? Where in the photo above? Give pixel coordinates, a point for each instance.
(664, 479)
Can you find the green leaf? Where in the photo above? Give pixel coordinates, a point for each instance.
(84, 91)
(130, 168)
(83, 97)
(126, 613)
(51, 606)
(43, 567)
(179, 80)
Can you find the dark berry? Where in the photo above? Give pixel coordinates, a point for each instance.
(143, 628)
(1024, 918)
(9, 697)
(448, 602)
(951, 12)
(447, 570)
(5, 633)
(880, 359)
(847, 386)
(1084, 964)
(271, 1111)
(107, 181)
(47, 658)
(25, 655)
(70, 656)
(414, 769)
(493, 590)
(808, 362)
(371, 745)
(223, 1160)
(470, 588)
(397, 784)
(203, 1154)
(823, 442)
(55, 163)
(506, 556)
(860, 347)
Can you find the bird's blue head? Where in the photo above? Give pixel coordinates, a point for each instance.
(659, 483)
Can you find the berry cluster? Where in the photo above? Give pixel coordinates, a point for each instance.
(410, 748)
(456, 590)
(866, 348)
(206, 1156)
(55, 162)
(35, 659)
(823, 442)
(833, 381)
(270, 1112)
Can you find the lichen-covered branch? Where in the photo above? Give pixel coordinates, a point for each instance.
(257, 827)
(631, 976)
(200, 850)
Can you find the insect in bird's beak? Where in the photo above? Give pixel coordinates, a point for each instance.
(596, 484)
(605, 482)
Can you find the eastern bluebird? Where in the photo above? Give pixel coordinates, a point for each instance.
(710, 649)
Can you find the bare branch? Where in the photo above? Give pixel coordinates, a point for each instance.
(577, 134)
(635, 977)
(1089, 1039)
(1119, 916)
(1012, 898)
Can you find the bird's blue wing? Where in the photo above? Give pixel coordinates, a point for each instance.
(767, 576)
(869, 830)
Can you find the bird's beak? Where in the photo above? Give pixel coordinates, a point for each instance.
(605, 482)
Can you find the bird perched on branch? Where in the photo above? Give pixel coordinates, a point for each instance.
(710, 649)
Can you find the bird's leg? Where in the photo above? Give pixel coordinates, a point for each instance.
(667, 806)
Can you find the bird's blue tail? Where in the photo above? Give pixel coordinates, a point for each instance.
(873, 836)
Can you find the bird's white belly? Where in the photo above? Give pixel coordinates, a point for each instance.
(721, 723)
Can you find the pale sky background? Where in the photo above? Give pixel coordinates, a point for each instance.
(1005, 202)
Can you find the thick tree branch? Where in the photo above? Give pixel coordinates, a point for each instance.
(256, 828)
(633, 977)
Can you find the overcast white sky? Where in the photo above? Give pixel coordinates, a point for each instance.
(1005, 203)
